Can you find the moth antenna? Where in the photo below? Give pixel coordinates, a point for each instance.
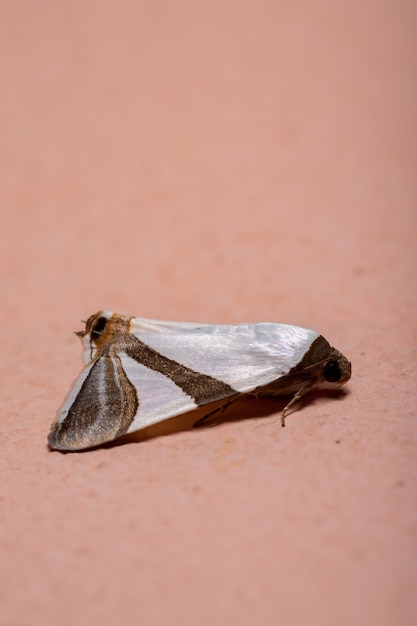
(219, 409)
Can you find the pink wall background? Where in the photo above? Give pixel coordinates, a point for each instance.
(221, 162)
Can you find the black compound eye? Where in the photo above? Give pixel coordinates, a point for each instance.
(98, 328)
(332, 372)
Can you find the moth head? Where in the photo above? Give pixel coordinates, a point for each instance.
(324, 366)
(336, 370)
(100, 329)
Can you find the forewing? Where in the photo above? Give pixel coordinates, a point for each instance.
(245, 356)
(159, 398)
(100, 406)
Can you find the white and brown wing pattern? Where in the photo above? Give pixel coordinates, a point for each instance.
(139, 372)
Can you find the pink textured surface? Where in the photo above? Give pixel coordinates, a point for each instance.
(220, 162)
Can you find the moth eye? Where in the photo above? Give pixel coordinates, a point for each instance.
(332, 372)
(98, 328)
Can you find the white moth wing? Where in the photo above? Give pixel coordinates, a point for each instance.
(73, 392)
(139, 326)
(159, 398)
(245, 356)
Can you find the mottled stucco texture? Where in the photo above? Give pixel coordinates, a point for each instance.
(220, 162)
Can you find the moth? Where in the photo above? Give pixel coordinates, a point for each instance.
(138, 372)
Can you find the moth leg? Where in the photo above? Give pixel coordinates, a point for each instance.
(300, 393)
(219, 409)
